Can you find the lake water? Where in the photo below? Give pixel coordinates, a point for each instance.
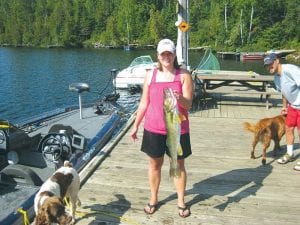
(34, 81)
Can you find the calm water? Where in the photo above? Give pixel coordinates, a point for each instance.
(34, 81)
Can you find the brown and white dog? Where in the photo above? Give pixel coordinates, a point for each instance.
(48, 202)
(265, 130)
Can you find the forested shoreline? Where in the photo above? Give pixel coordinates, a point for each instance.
(244, 25)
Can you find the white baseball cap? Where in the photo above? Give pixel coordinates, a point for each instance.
(166, 45)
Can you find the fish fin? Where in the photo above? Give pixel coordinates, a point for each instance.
(181, 117)
(178, 119)
(179, 151)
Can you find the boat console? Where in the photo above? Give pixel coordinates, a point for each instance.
(60, 143)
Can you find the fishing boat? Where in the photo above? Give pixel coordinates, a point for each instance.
(134, 74)
(245, 56)
(32, 150)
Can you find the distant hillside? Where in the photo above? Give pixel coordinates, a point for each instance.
(251, 25)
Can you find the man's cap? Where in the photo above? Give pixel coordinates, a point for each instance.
(166, 45)
(269, 59)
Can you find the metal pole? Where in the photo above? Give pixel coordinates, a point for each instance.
(113, 74)
(80, 107)
(182, 40)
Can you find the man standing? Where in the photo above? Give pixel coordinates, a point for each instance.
(287, 80)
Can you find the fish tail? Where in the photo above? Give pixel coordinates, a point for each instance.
(174, 173)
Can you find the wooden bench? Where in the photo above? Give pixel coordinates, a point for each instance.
(267, 93)
(236, 83)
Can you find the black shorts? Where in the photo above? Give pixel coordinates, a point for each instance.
(154, 145)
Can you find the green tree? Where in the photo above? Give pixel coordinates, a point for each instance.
(76, 23)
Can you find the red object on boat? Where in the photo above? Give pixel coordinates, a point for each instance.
(252, 56)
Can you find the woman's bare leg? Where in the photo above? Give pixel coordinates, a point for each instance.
(154, 176)
(180, 184)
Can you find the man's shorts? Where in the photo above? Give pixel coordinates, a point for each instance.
(154, 145)
(293, 117)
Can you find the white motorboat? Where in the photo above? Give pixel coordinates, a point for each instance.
(133, 75)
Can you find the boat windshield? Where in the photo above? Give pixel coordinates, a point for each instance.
(146, 59)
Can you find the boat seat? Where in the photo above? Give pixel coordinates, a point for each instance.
(79, 88)
(17, 173)
(61, 128)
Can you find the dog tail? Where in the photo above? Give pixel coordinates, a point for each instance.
(249, 127)
(68, 164)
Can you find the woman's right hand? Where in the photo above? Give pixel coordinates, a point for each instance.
(133, 134)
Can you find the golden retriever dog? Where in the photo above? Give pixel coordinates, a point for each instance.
(265, 130)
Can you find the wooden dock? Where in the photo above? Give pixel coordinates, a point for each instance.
(224, 185)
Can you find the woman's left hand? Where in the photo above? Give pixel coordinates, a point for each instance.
(177, 95)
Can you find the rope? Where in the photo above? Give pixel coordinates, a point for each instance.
(96, 212)
(25, 216)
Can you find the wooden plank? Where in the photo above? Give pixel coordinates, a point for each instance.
(222, 93)
(243, 92)
(224, 185)
(224, 72)
(230, 77)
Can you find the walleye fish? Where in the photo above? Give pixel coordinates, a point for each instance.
(173, 121)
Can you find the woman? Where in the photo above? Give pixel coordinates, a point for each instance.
(167, 75)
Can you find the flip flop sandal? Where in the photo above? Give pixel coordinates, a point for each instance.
(150, 209)
(297, 167)
(182, 211)
(285, 159)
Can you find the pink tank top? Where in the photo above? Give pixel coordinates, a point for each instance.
(154, 117)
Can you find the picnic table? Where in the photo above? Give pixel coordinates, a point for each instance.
(242, 83)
